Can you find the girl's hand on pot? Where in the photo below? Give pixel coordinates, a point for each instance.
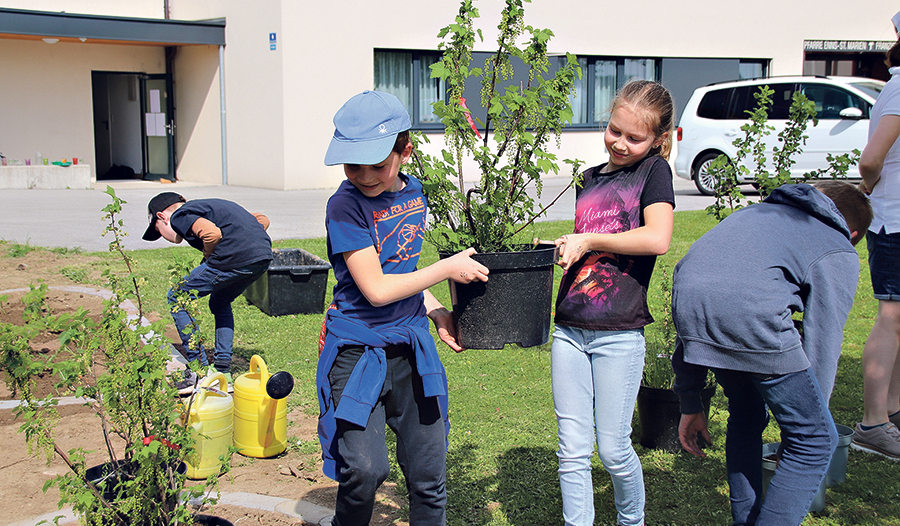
(572, 247)
(464, 269)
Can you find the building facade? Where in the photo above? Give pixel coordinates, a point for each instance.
(243, 93)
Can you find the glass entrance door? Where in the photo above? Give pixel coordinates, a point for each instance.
(159, 127)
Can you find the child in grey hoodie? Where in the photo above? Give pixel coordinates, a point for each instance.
(735, 295)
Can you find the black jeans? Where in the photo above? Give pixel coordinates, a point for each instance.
(421, 443)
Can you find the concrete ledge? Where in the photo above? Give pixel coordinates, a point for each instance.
(45, 177)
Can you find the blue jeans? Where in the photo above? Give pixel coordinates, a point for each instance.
(222, 287)
(808, 439)
(595, 377)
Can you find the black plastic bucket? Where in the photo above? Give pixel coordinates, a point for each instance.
(659, 414)
(513, 306)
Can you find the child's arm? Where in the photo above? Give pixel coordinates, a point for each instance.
(381, 289)
(651, 239)
(263, 220)
(209, 233)
(443, 321)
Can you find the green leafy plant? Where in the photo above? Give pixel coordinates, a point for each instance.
(522, 119)
(119, 365)
(660, 343)
(752, 147)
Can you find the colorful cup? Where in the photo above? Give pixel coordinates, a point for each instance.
(74, 160)
(46, 161)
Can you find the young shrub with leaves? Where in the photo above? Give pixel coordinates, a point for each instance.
(119, 365)
(768, 176)
(522, 119)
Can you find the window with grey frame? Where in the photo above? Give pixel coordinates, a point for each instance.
(600, 80)
(407, 74)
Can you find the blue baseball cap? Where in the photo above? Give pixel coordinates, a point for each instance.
(365, 129)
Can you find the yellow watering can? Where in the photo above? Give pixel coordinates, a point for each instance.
(211, 423)
(260, 410)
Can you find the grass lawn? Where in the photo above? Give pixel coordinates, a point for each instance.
(502, 457)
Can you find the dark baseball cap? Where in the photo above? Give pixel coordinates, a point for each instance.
(158, 204)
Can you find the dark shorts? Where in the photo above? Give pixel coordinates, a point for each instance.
(884, 264)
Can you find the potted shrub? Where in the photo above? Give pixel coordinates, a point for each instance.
(509, 150)
(119, 365)
(657, 404)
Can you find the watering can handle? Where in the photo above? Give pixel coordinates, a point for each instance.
(208, 382)
(257, 364)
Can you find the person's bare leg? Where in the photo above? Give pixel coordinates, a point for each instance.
(881, 366)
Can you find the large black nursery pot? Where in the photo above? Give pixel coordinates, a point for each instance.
(659, 414)
(513, 306)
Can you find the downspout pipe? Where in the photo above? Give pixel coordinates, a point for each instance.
(222, 113)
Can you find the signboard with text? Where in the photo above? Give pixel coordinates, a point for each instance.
(847, 46)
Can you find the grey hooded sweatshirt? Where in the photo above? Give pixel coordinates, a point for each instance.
(736, 290)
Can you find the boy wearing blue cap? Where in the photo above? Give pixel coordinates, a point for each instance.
(236, 252)
(379, 364)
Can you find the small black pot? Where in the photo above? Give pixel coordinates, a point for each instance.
(513, 306)
(659, 414)
(211, 520)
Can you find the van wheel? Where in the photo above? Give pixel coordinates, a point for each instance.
(703, 179)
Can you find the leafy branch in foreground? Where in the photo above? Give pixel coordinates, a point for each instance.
(118, 364)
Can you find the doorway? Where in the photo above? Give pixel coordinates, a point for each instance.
(133, 131)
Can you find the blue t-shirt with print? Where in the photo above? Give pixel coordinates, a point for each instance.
(393, 223)
(607, 291)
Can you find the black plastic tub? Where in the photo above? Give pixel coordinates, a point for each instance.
(512, 306)
(294, 284)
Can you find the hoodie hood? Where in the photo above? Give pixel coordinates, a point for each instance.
(811, 201)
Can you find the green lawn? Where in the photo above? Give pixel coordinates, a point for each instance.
(502, 457)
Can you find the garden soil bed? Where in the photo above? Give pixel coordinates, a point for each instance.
(292, 475)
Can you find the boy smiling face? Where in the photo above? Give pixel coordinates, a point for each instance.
(372, 180)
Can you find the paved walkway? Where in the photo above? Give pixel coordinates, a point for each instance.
(72, 218)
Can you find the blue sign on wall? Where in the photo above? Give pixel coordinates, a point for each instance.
(272, 41)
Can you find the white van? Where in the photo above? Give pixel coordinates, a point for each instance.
(713, 117)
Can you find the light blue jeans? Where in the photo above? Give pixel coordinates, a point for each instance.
(596, 376)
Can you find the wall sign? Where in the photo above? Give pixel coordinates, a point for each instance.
(272, 41)
(848, 46)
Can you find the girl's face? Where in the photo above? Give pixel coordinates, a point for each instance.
(628, 138)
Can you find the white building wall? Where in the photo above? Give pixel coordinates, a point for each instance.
(129, 8)
(47, 96)
(279, 104)
(198, 144)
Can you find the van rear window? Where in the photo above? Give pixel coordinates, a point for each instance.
(713, 104)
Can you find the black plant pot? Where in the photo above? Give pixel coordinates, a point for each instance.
(513, 306)
(211, 520)
(111, 474)
(659, 414)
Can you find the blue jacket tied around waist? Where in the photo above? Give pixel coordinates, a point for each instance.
(367, 379)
